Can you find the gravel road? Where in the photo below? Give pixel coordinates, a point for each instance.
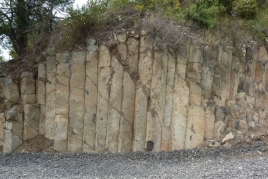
(240, 162)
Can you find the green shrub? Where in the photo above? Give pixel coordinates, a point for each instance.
(247, 9)
(205, 13)
(228, 5)
(80, 22)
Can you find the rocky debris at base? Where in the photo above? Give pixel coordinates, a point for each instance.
(236, 162)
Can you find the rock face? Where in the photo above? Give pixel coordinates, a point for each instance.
(133, 96)
(13, 133)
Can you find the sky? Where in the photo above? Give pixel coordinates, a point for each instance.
(77, 3)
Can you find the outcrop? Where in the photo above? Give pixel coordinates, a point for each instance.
(133, 96)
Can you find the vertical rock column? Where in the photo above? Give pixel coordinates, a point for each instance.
(77, 102)
(207, 72)
(195, 130)
(140, 119)
(156, 109)
(235, 78)
(62, 101)
(13, 134)
(194, 75)
(227, 60)
(104, 86)
(31, 110)
(91, 97)
(196, 121)
(127, 117)
(41, 97)
(143, 89)
(27, 88)
(115, 104)
(50, 97)
(179, 113)
(180, 102)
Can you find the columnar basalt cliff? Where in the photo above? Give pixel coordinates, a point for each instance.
(133, 96)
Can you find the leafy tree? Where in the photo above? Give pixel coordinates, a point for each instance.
(18, 16)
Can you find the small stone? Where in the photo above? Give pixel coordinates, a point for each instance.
(121, 37)
(136, 36)
(228, 137)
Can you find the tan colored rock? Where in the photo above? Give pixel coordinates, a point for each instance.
(13, 136)
(195, 130)
(28, 98)
(182, 60)
(133, 54)
(27, 84)
(77, 102)
(91, 101)
(50, 97)
(41, 98)
(210, 125)
(219, 129)
(62, 102)
(243, 125)
(140, 120)
(104, 57)
(165, 138)
(195, 96)
(179, 114)
(121, 37)
(194, 71)
(157, 107)
(103, 99)
(127, 117)
(228, 137)
(2, 122)
(42, 118)
(10, 90)
(150, 132)
(31, 121)
(115, 103)
(169, 89)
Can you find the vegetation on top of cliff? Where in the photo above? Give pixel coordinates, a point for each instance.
(163, 19)
(21, 21)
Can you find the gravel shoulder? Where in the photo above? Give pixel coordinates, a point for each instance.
(239, 162)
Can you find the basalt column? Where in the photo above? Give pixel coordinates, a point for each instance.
(91, 97)
(50, 98)
(62, 101)
(77, 102)
(104, 86)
